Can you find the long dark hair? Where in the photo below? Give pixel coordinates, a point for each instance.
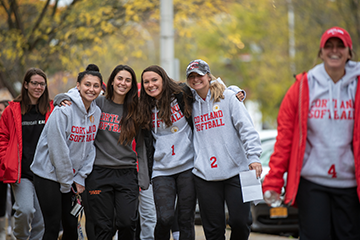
(147, 103)
(128, 121)
(24, 99)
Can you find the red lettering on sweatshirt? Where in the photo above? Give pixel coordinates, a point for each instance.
(209, 120)
(320, 109)
(110, 122)
(80, 134)
(176, 115)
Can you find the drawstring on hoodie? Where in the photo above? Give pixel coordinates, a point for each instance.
(200, 100)
(156, 113)
(331, 106)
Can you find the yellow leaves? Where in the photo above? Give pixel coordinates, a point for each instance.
(12, 45)
(137, 54)
(107, 27)
(236, 40)
(134, 8)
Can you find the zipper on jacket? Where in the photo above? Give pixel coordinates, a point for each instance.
(19, 165)
(300, 132)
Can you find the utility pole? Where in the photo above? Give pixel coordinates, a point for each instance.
(167, 37)
(291, 27)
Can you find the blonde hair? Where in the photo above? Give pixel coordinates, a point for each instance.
(216, 89)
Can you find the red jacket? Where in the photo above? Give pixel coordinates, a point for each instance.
(291, 140)
(11, 142)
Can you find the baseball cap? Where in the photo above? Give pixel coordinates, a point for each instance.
(336, 32)
(199, 66)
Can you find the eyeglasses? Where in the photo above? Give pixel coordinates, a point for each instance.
(35, 84)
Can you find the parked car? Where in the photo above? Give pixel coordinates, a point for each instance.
(262, 221)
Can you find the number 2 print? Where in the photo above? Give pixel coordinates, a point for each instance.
(213, 162)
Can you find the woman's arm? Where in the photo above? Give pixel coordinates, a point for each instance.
(85, 169)
(4, 133)
(248, 135)
(59, 152)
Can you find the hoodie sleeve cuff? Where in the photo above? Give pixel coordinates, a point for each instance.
(252, 159)
(65, 188)
(79, 180)
(60, 97)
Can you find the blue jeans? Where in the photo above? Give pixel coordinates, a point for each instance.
(147, 214)
(27, 211)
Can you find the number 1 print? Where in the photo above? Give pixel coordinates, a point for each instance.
(172, 150)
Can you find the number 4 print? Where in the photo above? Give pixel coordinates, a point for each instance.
(332, 171)
(213, 162)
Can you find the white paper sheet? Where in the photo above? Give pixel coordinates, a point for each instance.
(251, 187)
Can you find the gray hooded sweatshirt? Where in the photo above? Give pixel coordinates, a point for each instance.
(225, 140)
(329, 158)
(65, 152)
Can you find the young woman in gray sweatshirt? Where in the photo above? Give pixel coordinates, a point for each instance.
(112, 188)
(225, 143)
(65, 155)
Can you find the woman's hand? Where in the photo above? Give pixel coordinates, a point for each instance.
(257, 167)
(240, 96)
(65, 102)
(79, 188)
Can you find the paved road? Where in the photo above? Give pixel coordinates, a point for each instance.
(253, 236)
(200, 235)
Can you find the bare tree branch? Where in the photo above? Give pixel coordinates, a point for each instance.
(37, 23)
(10, 22)
(54, 9)
(7, 84)
(14, 8)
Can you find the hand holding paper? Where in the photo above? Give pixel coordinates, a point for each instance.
(250, 186)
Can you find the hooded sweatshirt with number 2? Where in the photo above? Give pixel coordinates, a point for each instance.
(225, 140)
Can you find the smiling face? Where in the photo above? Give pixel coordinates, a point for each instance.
(153, 84)
(36, 87)
(334, 54)
(199, 83)
(89, 88)
(122, 84)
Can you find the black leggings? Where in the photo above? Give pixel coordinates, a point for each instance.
(3, 195)
(165, 190)
(55, 207)
(328, 213)
(212, 196)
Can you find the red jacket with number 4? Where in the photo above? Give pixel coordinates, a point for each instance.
(291, 140)
(11, 142)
